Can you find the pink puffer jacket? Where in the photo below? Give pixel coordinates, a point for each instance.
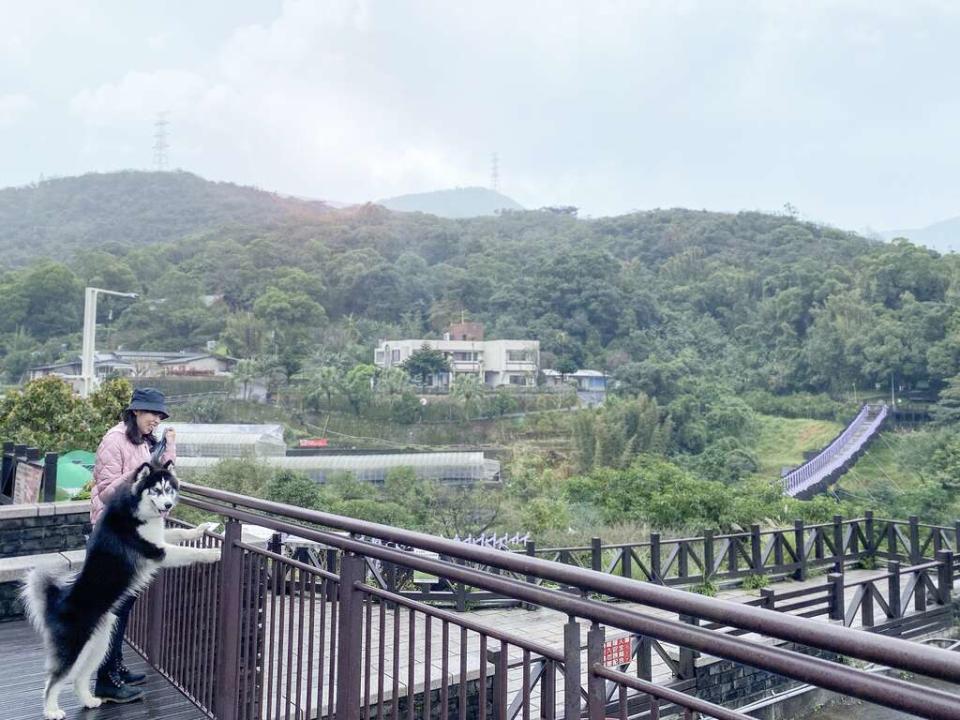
(117, 460)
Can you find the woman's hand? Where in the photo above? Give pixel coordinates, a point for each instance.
(170, 435)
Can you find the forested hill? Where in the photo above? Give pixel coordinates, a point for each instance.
(676, 303)
(56, 217)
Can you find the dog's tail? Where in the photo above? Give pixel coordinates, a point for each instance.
(40, 593)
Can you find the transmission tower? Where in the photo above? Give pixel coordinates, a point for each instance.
(160, 144)
(495, 172)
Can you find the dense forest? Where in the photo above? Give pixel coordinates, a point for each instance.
(704, 319)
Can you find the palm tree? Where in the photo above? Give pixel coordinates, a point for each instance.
(467, 388)
(245, 373)
(325, 381)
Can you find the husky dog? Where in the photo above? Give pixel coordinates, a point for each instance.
(128, 546)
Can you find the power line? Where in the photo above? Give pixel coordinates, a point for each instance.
(160, 144)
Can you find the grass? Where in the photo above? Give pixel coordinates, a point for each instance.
(781, 442)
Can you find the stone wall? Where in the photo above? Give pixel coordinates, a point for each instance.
(52, 534)
(728, 683)
(43, 528)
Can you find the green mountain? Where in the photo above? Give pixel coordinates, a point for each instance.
(456, 203)
(55, 218)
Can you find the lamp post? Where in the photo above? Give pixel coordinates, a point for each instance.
(87, 375)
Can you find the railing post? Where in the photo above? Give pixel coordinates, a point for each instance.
(756, 554)
(686, 669)
(349, 637)
(596, 554)
(655, 558)
(769, 597)
(707, 555)
(837, 606)
(945, 576)
(7, 468)
(531, 552)
(893, 588)
(871, 548)
(799, 545)
(838, 544)
(645, 658)
(919, 591)
(596, 685)
(50, 477)
(497, 658)
(626, 562)
(228, 659)
(956, 536)
(156, 618)
(914, 540)
(571, 668)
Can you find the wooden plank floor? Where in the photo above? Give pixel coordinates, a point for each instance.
(21, 685)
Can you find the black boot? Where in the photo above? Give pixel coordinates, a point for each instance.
(127, 675)
(112, 688)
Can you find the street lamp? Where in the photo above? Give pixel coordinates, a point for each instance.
(87, 375)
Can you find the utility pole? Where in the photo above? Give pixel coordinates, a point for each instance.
(495, 172)
(893, 398)
(87, 374)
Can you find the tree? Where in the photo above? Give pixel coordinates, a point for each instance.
(244, 335)
(245, 373)
(47, 415)
(467, 388)
(424, 363)
(326, 381)
(947, 409)
(293, 488)
(358, 386)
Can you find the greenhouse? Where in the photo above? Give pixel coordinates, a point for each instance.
(447, 467)
(205, 440)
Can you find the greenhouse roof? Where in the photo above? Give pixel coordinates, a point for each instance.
(218, 440)
(448, 466)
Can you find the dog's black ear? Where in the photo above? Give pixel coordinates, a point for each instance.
(168, 464)
(140, 476)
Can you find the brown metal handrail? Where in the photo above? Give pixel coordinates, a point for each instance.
(829, 675)
(854, 643)
(664, 693)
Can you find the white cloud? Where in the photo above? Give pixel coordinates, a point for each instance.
(13, 108)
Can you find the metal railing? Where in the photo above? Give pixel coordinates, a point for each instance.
(263, 635)
(841, 450)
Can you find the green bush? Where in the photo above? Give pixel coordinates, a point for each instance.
(755, 582)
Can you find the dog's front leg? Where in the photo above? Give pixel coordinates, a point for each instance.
(175, 556)
(179, 535)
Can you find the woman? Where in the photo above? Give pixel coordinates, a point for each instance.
(124, 448)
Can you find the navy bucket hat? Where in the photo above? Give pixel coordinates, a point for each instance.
(149, 399)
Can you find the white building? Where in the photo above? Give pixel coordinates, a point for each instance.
(495, 362)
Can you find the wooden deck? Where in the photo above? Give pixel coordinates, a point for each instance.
(21, 683)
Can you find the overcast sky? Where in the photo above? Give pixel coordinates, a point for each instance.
(850, 111)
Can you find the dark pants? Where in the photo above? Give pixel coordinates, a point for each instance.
(115, 653)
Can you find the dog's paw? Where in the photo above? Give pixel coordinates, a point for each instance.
(56, 714)
(207, 527)
(92, 702)
(210, 556)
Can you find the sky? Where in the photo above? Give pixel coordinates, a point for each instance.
(848, 111)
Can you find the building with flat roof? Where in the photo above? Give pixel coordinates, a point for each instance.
(495, 362)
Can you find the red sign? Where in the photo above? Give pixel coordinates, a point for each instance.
(616, 652)
(313, 442)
